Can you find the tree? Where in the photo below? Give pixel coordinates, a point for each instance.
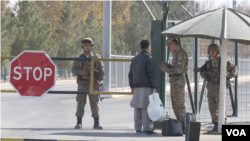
(94, 31)
(206, 6)
(8, 33)
(244, 7)
(120, 16)
(197, 6)
(3, 6)
(34, 33)
(73, 32)
(66, 34)
(176, 12)
(138, 28)
(51, 9)
(117, 39)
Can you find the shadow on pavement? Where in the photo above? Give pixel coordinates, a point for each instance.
(108, 134)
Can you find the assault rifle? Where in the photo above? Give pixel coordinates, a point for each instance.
(212, 75)
(96, 84)
(209, 73)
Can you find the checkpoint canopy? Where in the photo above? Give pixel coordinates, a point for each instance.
(217, 24)
(32, 73)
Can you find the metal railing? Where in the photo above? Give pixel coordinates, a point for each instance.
(119, 71)
(92, 76)
(92, 60)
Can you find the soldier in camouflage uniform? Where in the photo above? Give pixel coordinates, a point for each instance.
(83, 75)
(213, 87)
(176, 70)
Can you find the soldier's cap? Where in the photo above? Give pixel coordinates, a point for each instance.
(86, 41)
(169, 40)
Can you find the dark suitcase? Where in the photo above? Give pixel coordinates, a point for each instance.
(194, 131)
(172, 127)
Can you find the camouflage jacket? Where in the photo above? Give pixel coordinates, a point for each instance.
(179, 63)
(78, 66)
(231, 68)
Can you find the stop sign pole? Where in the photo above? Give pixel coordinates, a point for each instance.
(32, 73)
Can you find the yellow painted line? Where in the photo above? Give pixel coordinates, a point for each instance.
(7, 57)
(8, 91)
(11, 139)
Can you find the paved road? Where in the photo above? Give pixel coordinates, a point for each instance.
(52, 117)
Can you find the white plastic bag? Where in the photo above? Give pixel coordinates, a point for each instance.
(156, 111)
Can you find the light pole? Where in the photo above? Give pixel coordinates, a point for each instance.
(107, 43)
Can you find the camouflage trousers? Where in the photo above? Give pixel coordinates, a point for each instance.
(213, 101)
(82, 100)
(177, 91)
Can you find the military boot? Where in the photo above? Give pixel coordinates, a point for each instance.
(183, 127)
(215, 129)
(79, 123)
(96, 124)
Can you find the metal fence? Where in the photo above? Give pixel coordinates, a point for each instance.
(119, 71)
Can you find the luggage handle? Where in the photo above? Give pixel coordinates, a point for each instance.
(169, 118)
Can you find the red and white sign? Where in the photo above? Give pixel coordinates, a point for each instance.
(32, 73)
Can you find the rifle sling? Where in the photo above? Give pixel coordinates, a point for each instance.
(86, 65)
(211, 66)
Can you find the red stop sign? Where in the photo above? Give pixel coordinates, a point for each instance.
(32, 73)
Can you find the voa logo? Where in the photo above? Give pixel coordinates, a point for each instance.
(236, 132)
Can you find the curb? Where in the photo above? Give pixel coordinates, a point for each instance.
(18, 139)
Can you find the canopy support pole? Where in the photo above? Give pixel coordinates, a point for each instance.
(236, 81)
(196, 76)
(222, 95)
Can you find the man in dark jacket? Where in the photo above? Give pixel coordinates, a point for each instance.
(142, 81)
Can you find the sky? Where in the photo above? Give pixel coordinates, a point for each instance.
(217, 2)
(12, 2)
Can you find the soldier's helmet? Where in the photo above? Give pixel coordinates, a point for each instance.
(86, 41)
(213, 46)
